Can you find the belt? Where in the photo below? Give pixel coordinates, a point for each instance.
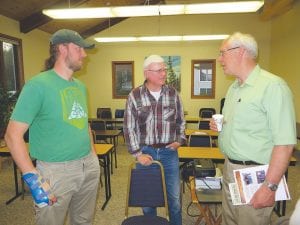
(243, 162)
(161, 145)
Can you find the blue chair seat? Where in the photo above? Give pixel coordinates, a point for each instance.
(145, 220)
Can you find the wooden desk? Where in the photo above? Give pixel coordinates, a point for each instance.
(103, 151)
(114, 121)
(5, 152)
(216, 155)
(112, 135)
(212, 133)
(194, 119)
(200, 153)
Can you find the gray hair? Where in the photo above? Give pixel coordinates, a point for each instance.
(245, 41)
(152, 59)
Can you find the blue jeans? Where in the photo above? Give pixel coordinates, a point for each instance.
(169, 159)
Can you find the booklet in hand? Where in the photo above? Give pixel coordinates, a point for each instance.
(247, 182)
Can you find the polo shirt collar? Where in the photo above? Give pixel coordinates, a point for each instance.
(251, 79)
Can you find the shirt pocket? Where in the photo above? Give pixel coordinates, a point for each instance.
(144, 114)
(169, 114)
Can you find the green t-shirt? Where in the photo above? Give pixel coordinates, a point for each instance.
(56, 111)
(257, 115)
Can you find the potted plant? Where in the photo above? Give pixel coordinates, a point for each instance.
(7, 102)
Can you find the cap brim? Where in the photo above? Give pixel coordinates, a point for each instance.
(85, 45)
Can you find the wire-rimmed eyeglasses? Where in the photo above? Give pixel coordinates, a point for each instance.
(222, 52)
(162, 70)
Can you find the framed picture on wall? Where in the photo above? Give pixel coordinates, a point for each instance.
(203, 78)
(122, 78)
(173, 64)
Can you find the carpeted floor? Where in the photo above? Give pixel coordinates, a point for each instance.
(20, 212)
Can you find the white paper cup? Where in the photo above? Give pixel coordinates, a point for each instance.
(218, 118)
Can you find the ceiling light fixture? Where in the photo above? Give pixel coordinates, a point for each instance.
(154, 10)
(162, 38)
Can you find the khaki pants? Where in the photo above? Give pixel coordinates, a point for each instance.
(241, 214)
(75, 184)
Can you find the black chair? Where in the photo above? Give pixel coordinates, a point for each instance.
(146, 188)
(105, 113)
(206, 112)
(203, 125)
(200, 140)
(119, 113)
(98, 125)
(100, 110)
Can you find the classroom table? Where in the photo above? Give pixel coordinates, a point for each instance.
(194, 119)
(212, 133)
(103, 151)
(112, 135)
(216, 155)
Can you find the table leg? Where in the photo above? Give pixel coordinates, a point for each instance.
(17, 193)
(107, 184)
(115, 150)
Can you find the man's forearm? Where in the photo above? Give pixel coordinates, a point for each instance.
(279, 162)
(17, 146)
(19, 153)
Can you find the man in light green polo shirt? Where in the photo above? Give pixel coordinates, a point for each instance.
(259, 128)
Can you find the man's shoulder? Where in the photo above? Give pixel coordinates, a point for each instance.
(270, 77)
(41, 77)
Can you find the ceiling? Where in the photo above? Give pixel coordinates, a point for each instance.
(30, 16)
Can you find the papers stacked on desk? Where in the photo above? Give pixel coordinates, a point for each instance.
(213, 183)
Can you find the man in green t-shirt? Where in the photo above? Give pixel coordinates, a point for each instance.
(259, 128)
(53, 106)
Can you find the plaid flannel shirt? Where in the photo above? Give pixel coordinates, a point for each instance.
(147, 121)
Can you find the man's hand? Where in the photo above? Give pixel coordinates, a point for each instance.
(263, 197)
(40, 189)
(145, 159)
(213, 125)
(173, 145)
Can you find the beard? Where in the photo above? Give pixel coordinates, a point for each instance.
(72, 65)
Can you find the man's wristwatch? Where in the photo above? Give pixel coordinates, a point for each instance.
(271, 186)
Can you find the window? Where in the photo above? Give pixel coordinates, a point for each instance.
(11, 63)
(203, 78)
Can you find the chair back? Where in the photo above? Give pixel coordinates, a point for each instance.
(106, 114)
(146, 187)
(100, 110)
(206, 112)
(203, 125)
(200, 140)
(119, 113)
(98, 125)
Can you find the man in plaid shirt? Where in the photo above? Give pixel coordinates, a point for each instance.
(154, 129)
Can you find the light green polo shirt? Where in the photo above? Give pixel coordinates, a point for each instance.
(257, 115)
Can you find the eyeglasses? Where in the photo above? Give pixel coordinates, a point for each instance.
(222, 53)
(159, 71)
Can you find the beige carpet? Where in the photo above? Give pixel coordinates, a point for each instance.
(20, 212)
